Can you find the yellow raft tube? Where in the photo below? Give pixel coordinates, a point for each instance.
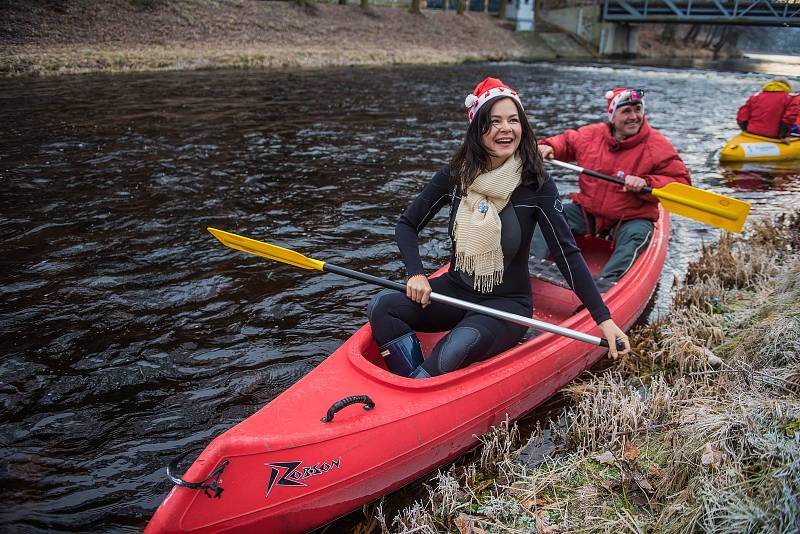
(751, 147)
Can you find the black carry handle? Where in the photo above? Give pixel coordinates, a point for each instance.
(345, 402)
(212, 487)
(620, 344)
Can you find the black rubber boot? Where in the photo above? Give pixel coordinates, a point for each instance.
(403, 355)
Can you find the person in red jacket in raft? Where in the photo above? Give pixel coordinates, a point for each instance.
(770, 113)
(628, 148)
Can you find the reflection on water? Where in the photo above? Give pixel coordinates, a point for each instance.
(130, 334)
(763, 176)
(765, 65)
(774, 64)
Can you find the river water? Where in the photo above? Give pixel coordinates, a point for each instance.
(129, 334)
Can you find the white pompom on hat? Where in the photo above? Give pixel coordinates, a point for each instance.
(622, 96)
(486, 90)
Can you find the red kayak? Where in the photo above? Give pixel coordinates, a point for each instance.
(285, 470)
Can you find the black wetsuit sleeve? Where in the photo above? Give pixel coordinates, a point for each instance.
(566, 253)
(427, 204)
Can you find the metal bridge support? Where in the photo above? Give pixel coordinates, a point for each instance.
(618, 39)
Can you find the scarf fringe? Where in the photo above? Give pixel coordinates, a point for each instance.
(482, 282)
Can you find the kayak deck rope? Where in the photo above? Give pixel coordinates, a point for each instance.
(547, 271)
(207, 487)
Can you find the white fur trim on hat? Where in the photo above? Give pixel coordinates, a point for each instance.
(615, 102)
(477, 102)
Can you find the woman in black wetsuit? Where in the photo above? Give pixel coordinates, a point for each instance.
(498, 192)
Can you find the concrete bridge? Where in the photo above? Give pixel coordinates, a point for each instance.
(611, 27)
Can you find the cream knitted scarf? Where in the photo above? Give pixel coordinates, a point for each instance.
(477, 229)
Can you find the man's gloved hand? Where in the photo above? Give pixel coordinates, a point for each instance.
(783, 130)
(743, 125)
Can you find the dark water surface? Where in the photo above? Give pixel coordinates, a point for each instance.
(129, 334)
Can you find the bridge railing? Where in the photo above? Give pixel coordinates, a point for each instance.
(741, 12)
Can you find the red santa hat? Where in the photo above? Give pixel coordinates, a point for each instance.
(485, 91)
(622, 96)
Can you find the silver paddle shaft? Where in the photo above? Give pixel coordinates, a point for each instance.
(519, 319)
(569, 166)
(458, 303)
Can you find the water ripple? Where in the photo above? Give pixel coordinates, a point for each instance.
(131, 334)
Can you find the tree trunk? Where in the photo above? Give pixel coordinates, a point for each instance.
(710, 36)
(691, 35)
(342, 2)
(460, 6)
(730, 37)
(485, 6)
(364, 4)
(302, 3)
(445, 5)
(668, 35)
(501, 13)
(416, 6)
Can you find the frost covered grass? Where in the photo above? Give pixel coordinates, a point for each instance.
(699, 430)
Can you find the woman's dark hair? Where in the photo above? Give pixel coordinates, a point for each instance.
(472, 158)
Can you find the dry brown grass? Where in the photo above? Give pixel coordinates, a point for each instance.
(748, 260)
(698, 431)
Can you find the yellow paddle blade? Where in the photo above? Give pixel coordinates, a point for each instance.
(704, 206)
(265, 250)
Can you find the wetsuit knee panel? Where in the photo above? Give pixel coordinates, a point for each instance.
(457, 346)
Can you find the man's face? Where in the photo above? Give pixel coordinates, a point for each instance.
(628, 120)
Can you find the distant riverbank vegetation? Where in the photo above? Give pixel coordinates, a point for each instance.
(66, 37)
(699, 430)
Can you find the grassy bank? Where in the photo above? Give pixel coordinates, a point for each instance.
(58, 37)
(699, 430)
(52, 37)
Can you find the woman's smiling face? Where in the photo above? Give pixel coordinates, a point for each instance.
(505, 133)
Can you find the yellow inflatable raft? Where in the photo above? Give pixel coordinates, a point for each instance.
(751, 147)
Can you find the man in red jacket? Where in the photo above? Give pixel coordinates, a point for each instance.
(628, 148)
(770, 113)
